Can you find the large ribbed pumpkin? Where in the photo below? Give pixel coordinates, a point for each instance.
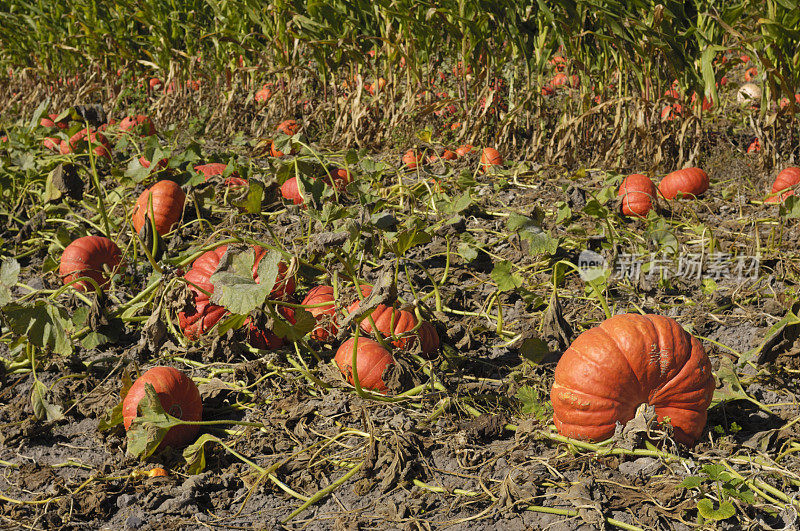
(371, 361)
(178, 396)
(89, 257)
(196, 321)
(785, 179)
(626, 361)
(638, 193)
(688, 182)
(167, 200)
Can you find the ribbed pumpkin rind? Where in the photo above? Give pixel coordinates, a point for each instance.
(611, 369)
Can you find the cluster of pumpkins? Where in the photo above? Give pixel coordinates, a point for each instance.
(638, 193)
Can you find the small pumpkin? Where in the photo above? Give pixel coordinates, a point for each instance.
(324, 315)
(179, 397)
(688, 182)
(139, 124)
(288, 127)
(391, 321)
(372, 360)
(638, 193)
(89, 257)
(291, 191)
(167, 200)
(786, 179)
(626, 361)
(490, 157)
(462, 151)
(412, 159)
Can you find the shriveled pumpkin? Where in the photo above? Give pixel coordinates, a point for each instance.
(638, 194)
(688, 182)
(786, 179)
(626, 361)
(167, 201)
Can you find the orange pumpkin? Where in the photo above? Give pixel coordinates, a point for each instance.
(638, 193)
(289, 127)
(786, 179)
(324, 315)
(371, 362)
(391, 321)
(490, 157)
(178, 396)
(461, 151)
(89, 257)
(167, 200)
(412, 160)
(626, 361)
(199, 319)
(689, 182)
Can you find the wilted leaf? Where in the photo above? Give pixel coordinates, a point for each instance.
(252, 201)
(409, 238)
(44, 324)
(304, 324)
(195, 454)
(113, 417)
(534, 350)
(42, 409)
(9, 275)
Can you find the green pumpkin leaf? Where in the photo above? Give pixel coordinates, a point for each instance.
(505, 278)
(692, 482)
(150, 426)
(706, 509)
(235, 287)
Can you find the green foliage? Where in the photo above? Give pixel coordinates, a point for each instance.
(234, 285)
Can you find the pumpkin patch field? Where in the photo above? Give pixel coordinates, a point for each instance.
(400, 265)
